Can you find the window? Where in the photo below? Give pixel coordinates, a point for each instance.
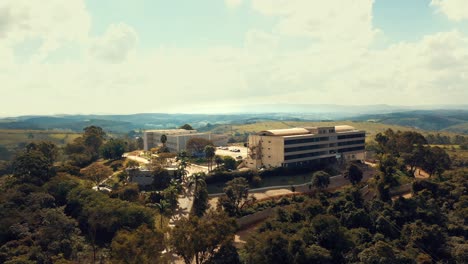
(305, 140)
(351, 136)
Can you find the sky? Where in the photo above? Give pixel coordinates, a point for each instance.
(186, 56)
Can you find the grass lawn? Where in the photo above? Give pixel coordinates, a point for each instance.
(11, 138)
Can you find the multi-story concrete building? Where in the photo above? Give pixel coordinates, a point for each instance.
(177, 138)
(297, 147)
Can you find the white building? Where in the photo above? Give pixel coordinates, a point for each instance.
(304, 146)
(177, 138)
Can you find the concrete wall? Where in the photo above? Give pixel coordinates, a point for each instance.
(272, 151)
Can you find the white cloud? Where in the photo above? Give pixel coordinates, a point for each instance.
(233, 3)
(454, 9)
(55, 22)
(333, 64)
(117, 42)
(332, 21)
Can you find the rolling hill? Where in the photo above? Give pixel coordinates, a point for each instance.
(436, 120)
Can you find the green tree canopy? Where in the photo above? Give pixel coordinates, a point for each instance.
(320, 180)
(186, 127)
(96, 172)
(113, 149)
(199, 238)
(353, 173)
(142, 245)
(196, 145)
(236, 196)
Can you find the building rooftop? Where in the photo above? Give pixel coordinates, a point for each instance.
(285, 132)
(171, 131)
(344, 128)
(302, 131)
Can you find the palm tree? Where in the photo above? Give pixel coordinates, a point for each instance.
(197, 180)
(182, 171)
(163, 208)
(209, 154)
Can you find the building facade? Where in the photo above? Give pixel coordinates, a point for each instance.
(297, 147)
(177, 138)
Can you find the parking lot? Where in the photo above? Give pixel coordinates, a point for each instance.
(230, 151)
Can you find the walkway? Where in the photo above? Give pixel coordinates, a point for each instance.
(136, 158)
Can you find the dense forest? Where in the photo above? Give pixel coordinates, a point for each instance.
(52, 209)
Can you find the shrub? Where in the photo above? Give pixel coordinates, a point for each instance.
(256, 181)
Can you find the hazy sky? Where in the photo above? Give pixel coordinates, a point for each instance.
(128, 56)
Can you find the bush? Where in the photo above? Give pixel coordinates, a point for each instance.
(116, 164)
(256, 181)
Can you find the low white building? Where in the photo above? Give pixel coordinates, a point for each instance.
(177, 138)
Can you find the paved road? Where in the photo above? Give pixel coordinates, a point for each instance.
(242, 153)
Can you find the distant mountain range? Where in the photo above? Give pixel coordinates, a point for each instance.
(451, 118)
(436, 120)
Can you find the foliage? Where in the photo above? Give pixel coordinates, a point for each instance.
(101, 216)
(128, 192)
(236, 196)
(199, 238)
(161, 178)
(342, 228)
(113, 149)
(229, 163)
(33, 167)
(210, 151)
(142, 245)
(186, 127)
(85, 149)
(353, 173)
(96, 172)
(320, 180)
(196, 146)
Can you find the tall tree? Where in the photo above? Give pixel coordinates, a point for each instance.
(113, 149)
(209, 154)
(200, 238)
(353, 173)
(48, 149)
(197, 180)
(32, 167)
(236, 196)
(142, 245)
(97, 172)
(196, 146)
(163, 139)
(436, 161)
(163, 208)
(320, 180)
(200, 200)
